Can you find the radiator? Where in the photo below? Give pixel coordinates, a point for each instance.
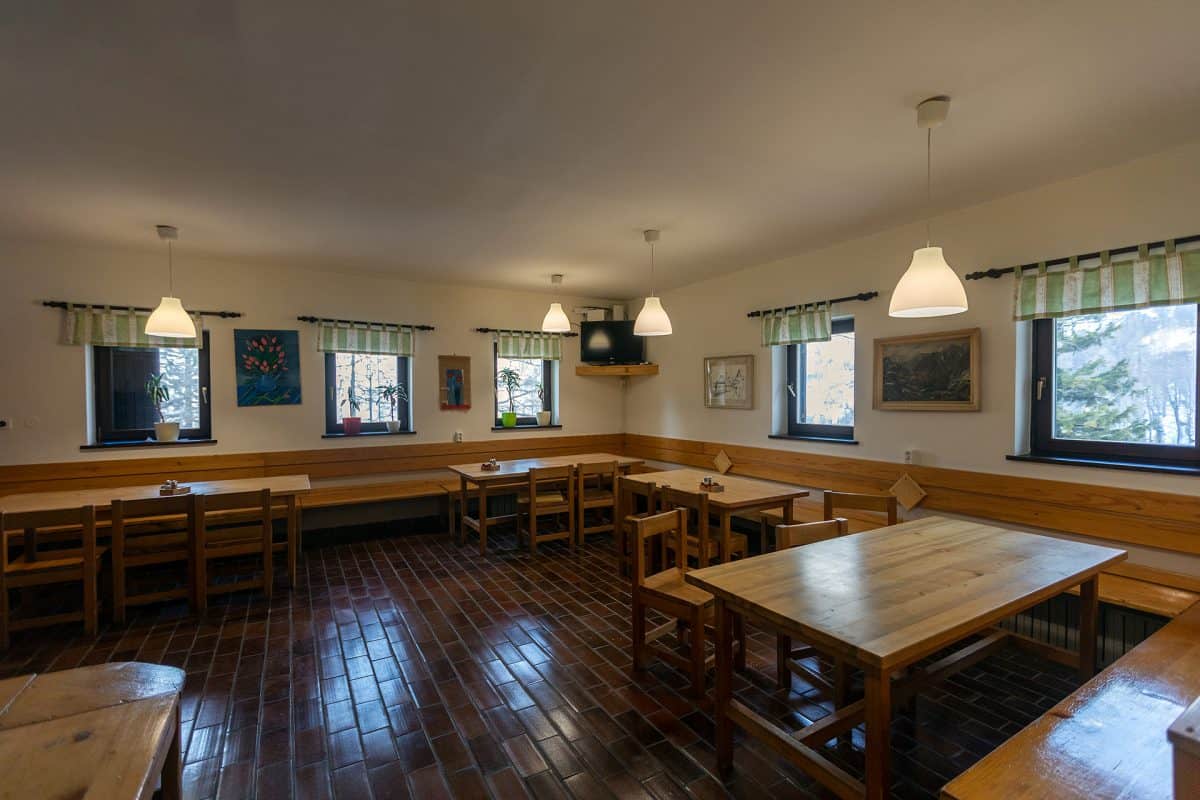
(1056, 622)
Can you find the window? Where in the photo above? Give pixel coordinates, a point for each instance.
(123, 409)
(534, 390)
(1117, 386)
(379, 386)
(820, 382)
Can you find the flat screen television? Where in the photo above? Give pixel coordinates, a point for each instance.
(611, 342)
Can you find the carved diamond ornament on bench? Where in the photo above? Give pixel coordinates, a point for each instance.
(908, 492)
(723, 462)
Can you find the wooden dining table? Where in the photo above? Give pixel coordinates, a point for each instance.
(738, 496)
(285, 489)
(881, 601)
(511, 473)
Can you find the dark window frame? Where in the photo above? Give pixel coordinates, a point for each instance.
(796, 355)
(1043, 443)
(547, 396)
(102, 399)
(333, 420)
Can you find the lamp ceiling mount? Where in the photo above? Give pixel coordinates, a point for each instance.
(932, 113)
(167, 232)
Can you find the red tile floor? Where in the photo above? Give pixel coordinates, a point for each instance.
(406, 666)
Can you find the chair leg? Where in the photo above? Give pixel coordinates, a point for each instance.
(3, 615)
(639, 633)
(783, 652)
(91, 612)
(697, 653)
(118, 586)
(201, 582)
(268, 559)
(739, 640)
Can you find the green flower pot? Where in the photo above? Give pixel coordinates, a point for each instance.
(508, 419)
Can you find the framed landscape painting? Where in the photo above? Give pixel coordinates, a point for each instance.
(268, 367)
(928, 372)
(729, 382)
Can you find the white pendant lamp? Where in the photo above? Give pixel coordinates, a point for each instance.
(652, 320)
(169, 320)
(929, 287)
(556, 320)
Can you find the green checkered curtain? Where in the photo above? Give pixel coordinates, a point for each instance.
(118, 327)
(521, 344)
(797, 325)
(380, 340)
(1170, 278)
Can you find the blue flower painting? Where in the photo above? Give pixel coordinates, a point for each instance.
(268, 367)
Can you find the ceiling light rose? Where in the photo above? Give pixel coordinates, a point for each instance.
(556, 320)
(170, 320)
(929, 287)
(652, 320)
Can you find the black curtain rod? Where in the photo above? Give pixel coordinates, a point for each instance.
(996, 273)
(367, 322)
(846, 299)
(119, 307)
(513, 330)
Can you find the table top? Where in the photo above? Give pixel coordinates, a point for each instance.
(102, 498)
(739, 492)
(1109, 738)
(520, 467)
(888, 597)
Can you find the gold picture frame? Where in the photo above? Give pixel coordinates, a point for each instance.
(729, 382)
(928, 372)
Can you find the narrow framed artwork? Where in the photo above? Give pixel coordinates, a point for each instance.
(928, 372)
(454, 384)
(267, 367)
(729, 381)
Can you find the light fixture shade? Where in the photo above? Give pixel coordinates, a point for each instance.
(556, 320)
(170, 321)
(929, 288)
(652, 320)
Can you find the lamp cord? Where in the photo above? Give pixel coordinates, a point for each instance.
(170, 270)
(928, 183)
(652, 269)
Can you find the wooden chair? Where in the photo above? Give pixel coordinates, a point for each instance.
(150, 532)
(549, 492)
(249, 533)
(883, 503)
(635, 500)
(667, 593)
(600, 497)
(787, 657)
(704, 539)
(44, 567)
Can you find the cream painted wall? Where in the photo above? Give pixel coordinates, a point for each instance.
(1143, 200)
(42, 391)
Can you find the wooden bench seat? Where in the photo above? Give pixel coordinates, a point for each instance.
(346, 494)
(1107, 739)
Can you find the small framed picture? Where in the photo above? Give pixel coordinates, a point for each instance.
(729, 381)
(928, 372)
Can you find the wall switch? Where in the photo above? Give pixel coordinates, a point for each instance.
(458, 437)
(909, 456)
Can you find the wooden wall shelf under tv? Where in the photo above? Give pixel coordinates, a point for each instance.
(617, 370)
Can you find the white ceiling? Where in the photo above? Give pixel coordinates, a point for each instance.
(498, 142)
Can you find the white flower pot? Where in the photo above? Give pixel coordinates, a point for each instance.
(166, 431)
(393, 425)
(543, 418)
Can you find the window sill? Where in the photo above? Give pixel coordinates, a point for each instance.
(145, 443)
(365, 433)
(1136, 466)
(526, 427)
(826, 439)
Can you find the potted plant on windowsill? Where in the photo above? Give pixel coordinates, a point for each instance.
(159, 393)
(394, 393)
(511, 381)
(543, 416)
(352, 425)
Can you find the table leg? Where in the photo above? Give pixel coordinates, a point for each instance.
(723, 691)
(463, 494)
(293, 539)
(879, 725)
(726, 539)
(483, 519)
(783, 652)
(789, 512)
(1089, 611)
(172, 774)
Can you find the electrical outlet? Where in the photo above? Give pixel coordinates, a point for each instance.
(458, 437)
(909, 455)
(5, 424)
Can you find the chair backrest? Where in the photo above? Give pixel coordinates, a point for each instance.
(30, 522)
(808, 532)
(125, 511)
(668, 524)
(605, 472)
(883, 503)
(258, 502)
(695, 505)
(628, 493)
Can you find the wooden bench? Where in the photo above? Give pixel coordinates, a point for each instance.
(105, 731)
(1109, 738)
